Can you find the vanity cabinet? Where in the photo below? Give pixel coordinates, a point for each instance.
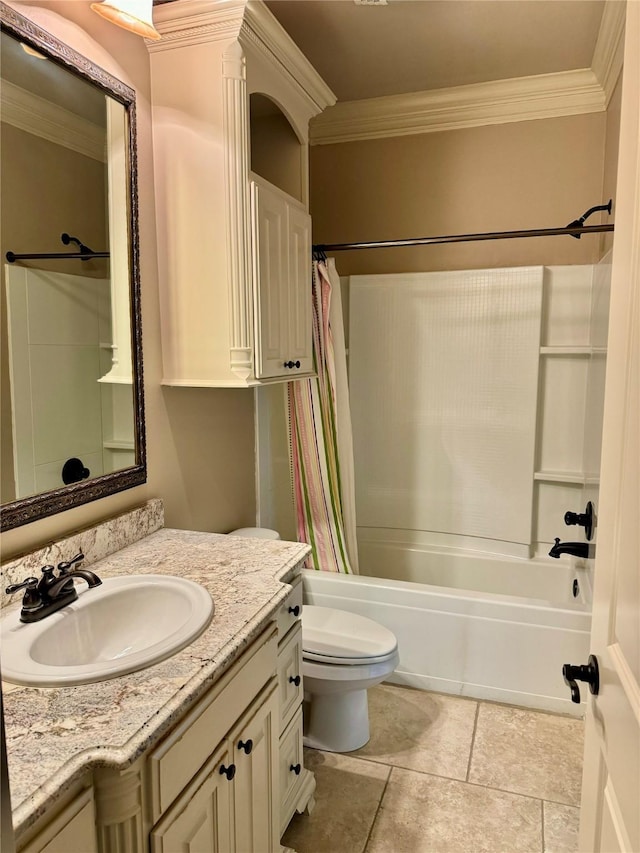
(297, 784)
(227, 806)
(222, 763)
(235, 254)
(227, 777)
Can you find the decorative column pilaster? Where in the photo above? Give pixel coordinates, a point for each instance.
(119, 820)
(236, 161)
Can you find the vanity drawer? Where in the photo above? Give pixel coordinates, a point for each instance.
(176, 761)
(287, 614)
(291, 758)
(290, 674)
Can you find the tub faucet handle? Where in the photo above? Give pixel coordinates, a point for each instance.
(582, 519)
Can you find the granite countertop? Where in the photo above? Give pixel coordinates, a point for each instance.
(55, 735)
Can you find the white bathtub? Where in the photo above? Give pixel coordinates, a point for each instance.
(458, 632)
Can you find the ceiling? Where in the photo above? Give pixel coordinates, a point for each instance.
(367, 51)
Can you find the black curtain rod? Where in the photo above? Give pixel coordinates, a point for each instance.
(85, 253)
(84, 256)
(577, 231)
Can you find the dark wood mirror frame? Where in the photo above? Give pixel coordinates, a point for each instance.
(38, 506)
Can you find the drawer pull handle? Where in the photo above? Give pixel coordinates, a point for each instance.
(291, 364)
(229, 771)
(296, 768)
(247, 745)
(295, 610)
(295, 679)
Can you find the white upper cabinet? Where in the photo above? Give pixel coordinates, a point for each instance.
(282, 281)
(232, 99)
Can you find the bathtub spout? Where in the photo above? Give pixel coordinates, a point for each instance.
(577, 549)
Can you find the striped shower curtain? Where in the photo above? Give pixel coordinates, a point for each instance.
(320, 437)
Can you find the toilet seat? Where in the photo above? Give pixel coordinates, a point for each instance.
(335, 637)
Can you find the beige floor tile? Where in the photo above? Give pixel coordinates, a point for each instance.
(560, 828)
(348, 793)
(421, 731)
(528, 752)
(429, 814)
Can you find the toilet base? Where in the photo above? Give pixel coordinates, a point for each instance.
(337, 722)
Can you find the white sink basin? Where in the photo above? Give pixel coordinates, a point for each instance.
(124, 625)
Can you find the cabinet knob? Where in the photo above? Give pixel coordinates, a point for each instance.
(295, 679)
(295, 610)
(247, 745)
(229, 771)
(292, 364)
(296, 768)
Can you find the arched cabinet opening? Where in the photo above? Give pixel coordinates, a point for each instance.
(277, 154)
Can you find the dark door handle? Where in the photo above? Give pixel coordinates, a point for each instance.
(295, 610)
(296, 768)
(588, 673)
(294, 679)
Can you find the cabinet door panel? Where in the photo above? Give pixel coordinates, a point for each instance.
(290, 674)
(199, 821)
(270, 280)
(299, 294)
(71, 831)
(255, 790)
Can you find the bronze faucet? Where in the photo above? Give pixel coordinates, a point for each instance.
(52, 592)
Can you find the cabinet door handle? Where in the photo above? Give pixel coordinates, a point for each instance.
(291, 364)
(247, 745)
(296, 768)
(295, 610)
(229, 771)
(295, 679)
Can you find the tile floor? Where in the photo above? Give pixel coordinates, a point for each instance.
(443, 774)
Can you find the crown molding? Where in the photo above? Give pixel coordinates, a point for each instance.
(28, 112)
(265, 29)
(518, 99)
(193, 22)
(609, 50)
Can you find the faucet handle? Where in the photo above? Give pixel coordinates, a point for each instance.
(31, 598)
(27, 583)
(64, 567)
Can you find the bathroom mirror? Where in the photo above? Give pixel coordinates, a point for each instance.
(72, 409)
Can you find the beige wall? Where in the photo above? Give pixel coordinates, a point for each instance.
(533, 174)
(200, 442)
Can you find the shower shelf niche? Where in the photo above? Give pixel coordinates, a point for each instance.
(559, 477)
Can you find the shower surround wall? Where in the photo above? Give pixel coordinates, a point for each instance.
(468, 394)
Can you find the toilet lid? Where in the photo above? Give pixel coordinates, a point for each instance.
(337, 636)
(255, 533)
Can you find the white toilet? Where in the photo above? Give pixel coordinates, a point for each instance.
(343, 654)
